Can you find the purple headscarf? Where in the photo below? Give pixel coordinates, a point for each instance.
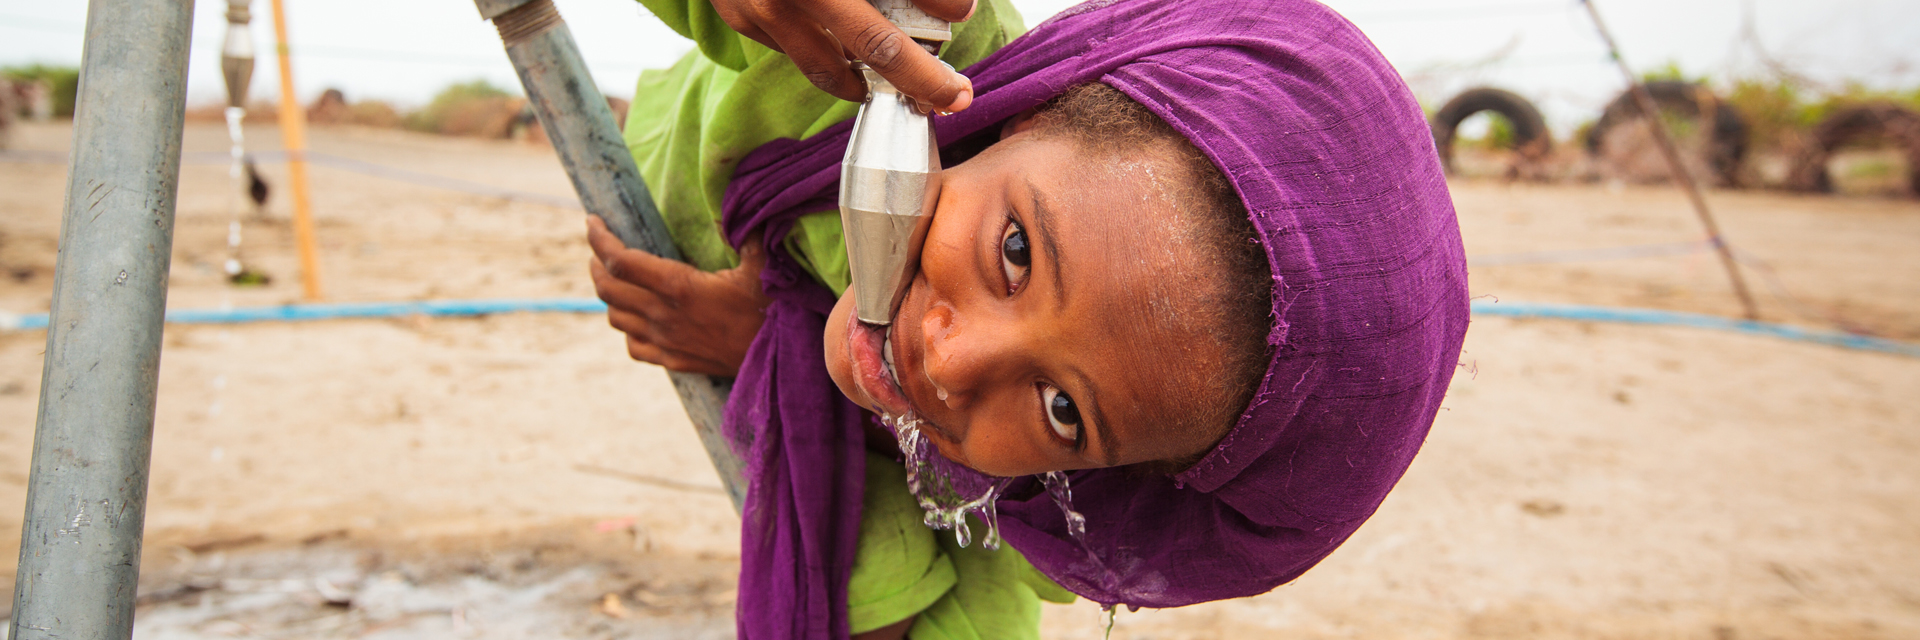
(1336, 165)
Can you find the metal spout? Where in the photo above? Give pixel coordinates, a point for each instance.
(236, 52)
(889, 184)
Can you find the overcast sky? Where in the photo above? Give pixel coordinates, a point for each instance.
(405, 50)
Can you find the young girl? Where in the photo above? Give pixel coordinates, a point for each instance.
(1199, 253)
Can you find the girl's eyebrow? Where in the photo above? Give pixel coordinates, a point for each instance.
(1109, 447)
(1043, 235)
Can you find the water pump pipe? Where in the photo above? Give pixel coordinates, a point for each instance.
(576, 118)
(93, 440)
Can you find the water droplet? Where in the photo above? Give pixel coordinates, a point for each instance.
(947, 492)
(1062, 493)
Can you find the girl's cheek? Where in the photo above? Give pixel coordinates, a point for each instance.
(834, 339)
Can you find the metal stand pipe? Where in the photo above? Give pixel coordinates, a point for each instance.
(86, 500)
(576, 118)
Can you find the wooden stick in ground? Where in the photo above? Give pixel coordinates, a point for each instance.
(293, 133)
(1681, 174)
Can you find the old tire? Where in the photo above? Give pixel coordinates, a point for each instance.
(1883, 121)
(1726, 148)
(1530, 135)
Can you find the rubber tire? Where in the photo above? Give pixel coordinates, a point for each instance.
(1729, 145)
(1878, 120)
(1530, 135)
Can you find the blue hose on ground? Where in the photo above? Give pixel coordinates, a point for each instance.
(469, 308)
(301, 312)
(1628, 315)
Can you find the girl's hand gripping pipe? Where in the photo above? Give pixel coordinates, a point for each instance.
(674, 314)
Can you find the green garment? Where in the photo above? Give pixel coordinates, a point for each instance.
(689, 127)
(691, 124)
(902, 568)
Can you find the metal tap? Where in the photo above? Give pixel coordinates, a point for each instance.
(890, 178)
(236, 53)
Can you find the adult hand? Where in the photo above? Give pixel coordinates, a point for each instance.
(821, 36)
(674, 314)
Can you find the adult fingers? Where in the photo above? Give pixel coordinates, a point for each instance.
(948, 10)
(871, 38)
(819, 57)
(744, 24)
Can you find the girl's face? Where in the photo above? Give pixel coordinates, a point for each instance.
(1047, 328)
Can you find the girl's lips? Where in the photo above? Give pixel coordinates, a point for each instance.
(866, 347)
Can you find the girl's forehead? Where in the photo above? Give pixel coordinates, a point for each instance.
(1136, 288)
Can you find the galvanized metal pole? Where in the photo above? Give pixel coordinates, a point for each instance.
(86, 500)
(576, 118)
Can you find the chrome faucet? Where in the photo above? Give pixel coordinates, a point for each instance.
(890, 179)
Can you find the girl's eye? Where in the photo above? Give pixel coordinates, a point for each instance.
(1062, 414)
(1016, 258)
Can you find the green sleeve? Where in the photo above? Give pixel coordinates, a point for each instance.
(690, 125)
(898, 569)
(901, 569)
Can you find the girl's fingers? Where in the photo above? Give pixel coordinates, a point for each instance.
(672, 360)
(619, 294)
(601, 239)
(668, 278)
(633, 324)
(753, 256)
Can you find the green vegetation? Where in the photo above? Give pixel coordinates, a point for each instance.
(64, 80)
(1499, 133)
(1670, 71)
(455, 108)
(1778, 110)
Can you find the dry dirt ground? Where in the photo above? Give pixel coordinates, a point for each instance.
(516, 476)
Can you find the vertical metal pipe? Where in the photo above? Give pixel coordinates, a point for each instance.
(86, 500)
(576, 118)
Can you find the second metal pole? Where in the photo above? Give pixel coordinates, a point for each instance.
(86, 499)
(582, 128)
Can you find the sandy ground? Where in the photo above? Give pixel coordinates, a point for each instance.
(515, 475)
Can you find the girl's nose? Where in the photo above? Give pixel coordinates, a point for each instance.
(963, 357)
